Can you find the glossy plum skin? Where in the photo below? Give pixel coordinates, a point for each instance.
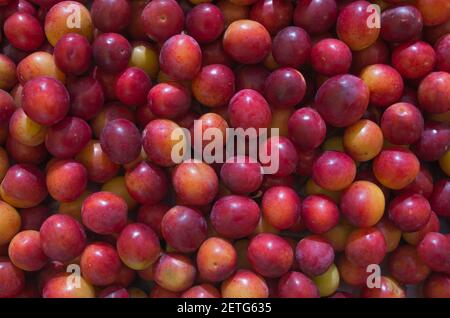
(22, 6)
(439, 199)
(434, 12)
(351, 273)
(67, 138)
(23, 186)
(132, 86)
(157, 142)
(213, 53)
(56, 25)
(86, 97)
(270, 255)
(353, 28)
(102, 9)
(111, 52)
(281, 207)
(391, 233)
(100, 168)
(25, 251)
(232, 11)
(138, 246)
(66, 180)
(162, 19)
(406, 267)
(205, 22)
(248, 108)
(24, 31)
(306, 128)
(121, 140)
(21, 153)
(183, 228)
(104, 213)
(363, 204)
(216, 259)
(414, 238)
(291, 47)
(38, 64)
(297, 285)
(62, 238)
(433, 250)
(395, 167)
(203, 125)
(433, 93)
(114, 291)
(437, 286)
(10, 223)
(202, 291)
(331, 57)
(334, 170)
(363, 140)
(57, 287)
(146, 183)
(45, 100)
(110, 112)
(241, 175)
(315, 16)
(251, 77)
(409, 213)
(100, 264)
(244, 284)
(117, 186)
(442, 54)
(342, 100)
(401, 23)
(12, 279)
(195, 183)
(285, 87)
(107, 80)
(7, 106)
(174, 272)
(247, 41)
(319, 213)
(32, 218)
(73, 54)
(414, 60)
(384, 82)
(180, 57)
(306, 160)
(434, 141)
(168, 100)
(389, 289)
(314, 255)
(272, 14)
(377, 53)
(152, 216)
(366, 246)
(4, 161)
(402, 124)
(280, 150)
(214, 85)
(270, 181)
(235, 216)
(159, 292)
